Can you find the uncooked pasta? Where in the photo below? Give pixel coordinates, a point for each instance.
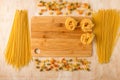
(18, 50)
(107, 23)
(70, 23)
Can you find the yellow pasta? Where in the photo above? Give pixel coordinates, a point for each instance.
(87, 38)
(18, 50)
(70, 23)
(86, 25)
(107, 23)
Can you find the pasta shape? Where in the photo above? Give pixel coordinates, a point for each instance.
(70, 24)
(18, 50)
(86, 25)
(106, 29)
(87, 38)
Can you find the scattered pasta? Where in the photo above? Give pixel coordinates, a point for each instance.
(62, 64)
(58, 7)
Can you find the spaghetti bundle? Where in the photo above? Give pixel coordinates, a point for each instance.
(18, 51)
(107, 24)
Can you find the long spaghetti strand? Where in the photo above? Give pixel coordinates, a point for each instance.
(107, 23)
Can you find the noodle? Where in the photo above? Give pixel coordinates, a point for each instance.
(18, 51)
(107, 24)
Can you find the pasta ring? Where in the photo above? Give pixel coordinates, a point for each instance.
(87, 38)
(70, 24)
(86, 25)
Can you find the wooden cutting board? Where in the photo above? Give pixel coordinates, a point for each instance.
(49, 35)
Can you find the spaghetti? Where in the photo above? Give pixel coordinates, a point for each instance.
(106, 29)
(18, 51)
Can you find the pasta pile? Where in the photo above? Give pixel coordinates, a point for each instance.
(72, 64)
(107, 24)
(18, 51)
(86, 26)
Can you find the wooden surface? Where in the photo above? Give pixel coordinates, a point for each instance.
(49, 34)
(110, 71)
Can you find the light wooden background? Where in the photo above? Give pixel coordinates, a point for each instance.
(109, 71)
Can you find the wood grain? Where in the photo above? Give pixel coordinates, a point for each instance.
(54, 19)
(59, 44)
(56, 35)
(53, 39)
(62, 53)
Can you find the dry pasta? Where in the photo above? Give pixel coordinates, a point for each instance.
(70, 23)
(86, 25)
(87, 38)
(107, 24)
(18, 50)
